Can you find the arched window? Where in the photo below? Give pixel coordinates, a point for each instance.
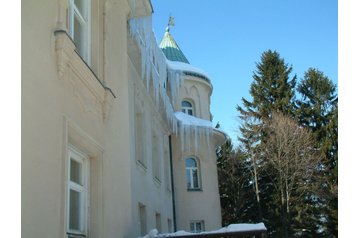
(187, 107)
(192, 173)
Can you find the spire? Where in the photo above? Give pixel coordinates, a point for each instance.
(170, 23)
(169, 47)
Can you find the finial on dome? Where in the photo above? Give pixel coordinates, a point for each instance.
(170, 23)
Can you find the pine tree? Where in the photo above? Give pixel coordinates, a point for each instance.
(318, 111)
(272, 91)
(236, 192)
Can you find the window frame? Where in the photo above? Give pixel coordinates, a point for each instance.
(85, 22)
(195, 224)
(76, 155)
(191, 170)
(187, 109)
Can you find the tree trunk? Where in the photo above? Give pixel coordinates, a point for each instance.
(284, 215)
(257, 191)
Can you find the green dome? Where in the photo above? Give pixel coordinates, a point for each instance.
(171, 49)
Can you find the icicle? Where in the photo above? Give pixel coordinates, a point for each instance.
(156, 71)
(154, 66)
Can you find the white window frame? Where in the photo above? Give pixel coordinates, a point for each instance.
(83, 189)
(195, 226)
(191, 174)
(84, 20)
(188, 109)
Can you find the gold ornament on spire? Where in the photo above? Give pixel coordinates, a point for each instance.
(170, 22)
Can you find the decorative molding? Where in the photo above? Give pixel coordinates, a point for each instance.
(91, 93)
(64, 48)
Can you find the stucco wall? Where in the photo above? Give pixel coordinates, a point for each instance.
(58, 111)
(198, 91)
(63, 103)
(196, 205)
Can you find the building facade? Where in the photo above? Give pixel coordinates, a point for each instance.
(116, 134)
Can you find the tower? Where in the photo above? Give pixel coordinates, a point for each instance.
(197, 202)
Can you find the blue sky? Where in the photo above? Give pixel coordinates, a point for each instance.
(226, 38)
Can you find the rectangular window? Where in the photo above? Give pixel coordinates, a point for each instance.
(142, 219)
(77, 191)
(156, 157)
(197, 226)
(167, 164)
(140, 134)
(79, 26)
(170, 226)
(158, 222)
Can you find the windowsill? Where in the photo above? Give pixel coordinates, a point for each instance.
(194, 189)
(157, 182)
(142, 166)
(75, 235)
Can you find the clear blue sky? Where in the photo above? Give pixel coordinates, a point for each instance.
(226, 38)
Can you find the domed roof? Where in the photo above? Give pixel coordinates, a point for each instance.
(171, 49)
(176, 58)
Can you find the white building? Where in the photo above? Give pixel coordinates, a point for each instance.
(108, 147)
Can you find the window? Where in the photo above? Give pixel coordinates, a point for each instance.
(142, 219)
(170, 225)
(187, 108)
(192, 174)
(197, 226)
(140, 134)
(79, 26)
(167, 164)
(158, 222)
(77, 193)
(156, 157)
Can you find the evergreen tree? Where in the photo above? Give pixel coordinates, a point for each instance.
(272, 90)
(318, 111)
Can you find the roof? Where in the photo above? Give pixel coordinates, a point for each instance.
(171, 48)
(231, 231)
(176, 58)
(188, 69)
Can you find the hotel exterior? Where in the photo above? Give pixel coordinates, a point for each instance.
(116, 131)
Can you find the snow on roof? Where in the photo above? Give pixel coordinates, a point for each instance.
(176, 65)
(186, 119)
(241, 227)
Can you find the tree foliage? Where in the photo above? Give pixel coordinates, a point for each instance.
(284, 171)
(318, 111)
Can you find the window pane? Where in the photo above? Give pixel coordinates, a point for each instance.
(76, 172)
(190, 163)
(143, 220)
(190, 112)
(186, 104)
(80, 6)
(75, 210)
(195, 178)
(192, 227)
(198, 227)
(188, 178)
(79, 35)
